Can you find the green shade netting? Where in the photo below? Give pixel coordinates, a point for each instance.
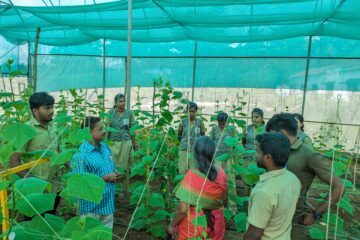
(178, 20)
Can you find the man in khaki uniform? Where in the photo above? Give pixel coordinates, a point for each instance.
(273, 200)
(306, 164)
(42, 108)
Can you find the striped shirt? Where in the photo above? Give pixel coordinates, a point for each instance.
(96, 160)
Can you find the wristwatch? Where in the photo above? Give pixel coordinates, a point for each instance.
(317, 216)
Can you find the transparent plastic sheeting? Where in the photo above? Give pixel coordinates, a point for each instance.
(224, 21)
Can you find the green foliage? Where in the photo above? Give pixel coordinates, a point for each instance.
(222, 157)
(136, 194)
(18, 134)
(231, 141)
(79, 136)
(346, 205)
(86, 186)
(317, 233)
(228, 214)
(158, 231)
(35, 203)
(200, 221)
(63, 157)
(4, 184)
(156, 200)
(240, 221)
(26, 186)
(48, 224)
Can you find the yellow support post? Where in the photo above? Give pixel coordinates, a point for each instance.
(4, 195)
(4, 210)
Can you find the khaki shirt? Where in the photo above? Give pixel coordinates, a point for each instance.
(190, 131)
(219, 136)
(272, 204)
(305, 163)
(122, 123)
(47, 136)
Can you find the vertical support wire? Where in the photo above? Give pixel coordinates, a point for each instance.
(194, 72)
(306, 75)
(29, 80)
(104, 72)
(128, 59)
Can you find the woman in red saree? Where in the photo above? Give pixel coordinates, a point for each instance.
(201, 196)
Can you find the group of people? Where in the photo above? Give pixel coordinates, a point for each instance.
(277, 206)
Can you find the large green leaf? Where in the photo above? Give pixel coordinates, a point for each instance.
(98, 233)
(142, 212)
(64, 119)
(347, 183)
(79, 136)
(135, 196)
(147, 160)
(346, 205)
(228, 214)
(138, 224)
(25, 232)
(35, 203)
(31, 185)
(240, 221)
(177, 95)
(18, 134)
(253, 168)
(63, 157)
(158, 231)
(200, 221)
(222, 157)
(317, 233)
(156, 200)
(4, 184)
(42, 224)
(139, 169)
(86, 186)
(238, 169)
(6, 150)
(18, 105)
(167, 115)
(231, 141)
(250, 179)
(160, 215)
(79, 224)
(240, 200)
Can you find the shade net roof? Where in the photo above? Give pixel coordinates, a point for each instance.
(222, 21)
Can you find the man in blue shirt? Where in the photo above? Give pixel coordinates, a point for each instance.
(95, 157)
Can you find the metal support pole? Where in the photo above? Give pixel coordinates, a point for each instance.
(128, 59)
(18, 57)
(29, 66)
(36, 58)
(194, 72)
(306, 75)
(104, 71)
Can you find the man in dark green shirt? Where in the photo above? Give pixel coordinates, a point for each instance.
(306, 164)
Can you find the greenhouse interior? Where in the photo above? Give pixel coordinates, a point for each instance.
(176, 119)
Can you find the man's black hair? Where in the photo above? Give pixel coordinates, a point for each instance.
(275, 144)
(40, 99)
(282, 121)
(90, 122)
